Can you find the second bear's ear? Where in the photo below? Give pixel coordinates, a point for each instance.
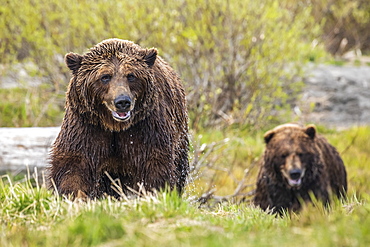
(150, 56)
(73, 61)
(311, 131)
(268, 136)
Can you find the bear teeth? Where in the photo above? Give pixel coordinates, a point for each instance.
(121, 115)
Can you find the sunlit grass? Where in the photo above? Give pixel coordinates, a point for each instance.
(169, 220)
(30, 215)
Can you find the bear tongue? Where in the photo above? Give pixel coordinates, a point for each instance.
(122, 114)
(295, 182)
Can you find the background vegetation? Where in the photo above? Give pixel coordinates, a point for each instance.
(242, 64)
(241, 61)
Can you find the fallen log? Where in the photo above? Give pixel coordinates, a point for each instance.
(25, 148)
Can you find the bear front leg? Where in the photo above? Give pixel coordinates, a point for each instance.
(74, 186)
(71, 180)
(158, 175)
(262, 198)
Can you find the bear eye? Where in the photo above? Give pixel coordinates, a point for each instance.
(284, 156)
(300, 155)
(105, 79)
(131, 77)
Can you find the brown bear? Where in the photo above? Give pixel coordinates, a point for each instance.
(298, 163)
(125, 121)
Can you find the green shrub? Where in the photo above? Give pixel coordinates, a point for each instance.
(239, 60)
(21, 107)
(346, 25)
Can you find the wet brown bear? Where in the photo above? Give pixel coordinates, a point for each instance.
(125, 116)
(297, 162)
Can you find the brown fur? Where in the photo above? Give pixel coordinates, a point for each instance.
(125, 116)
(296, 163)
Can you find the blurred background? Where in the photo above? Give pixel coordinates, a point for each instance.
(243, 63)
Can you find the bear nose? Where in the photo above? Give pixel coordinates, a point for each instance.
(122, 103)
(295, 173)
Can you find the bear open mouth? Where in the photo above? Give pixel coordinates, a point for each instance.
(121, 116)
(295, 182)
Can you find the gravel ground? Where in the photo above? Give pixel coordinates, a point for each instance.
(336, 96)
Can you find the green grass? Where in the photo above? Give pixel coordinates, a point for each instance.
(32, 216)
(32, 106)
(167, 220)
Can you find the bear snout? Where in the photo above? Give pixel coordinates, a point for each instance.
(295, 174)
(294, 177)
(123, 103)
(121, 107)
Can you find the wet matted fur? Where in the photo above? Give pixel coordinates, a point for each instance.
(298, 164)
(126, 116)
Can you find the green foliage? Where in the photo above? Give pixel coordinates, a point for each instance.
(93, 227)
(346, 24)
(223, 158)
(114, 223)
(29, 107)
(24, 203)
(354, 151)
(239, 60)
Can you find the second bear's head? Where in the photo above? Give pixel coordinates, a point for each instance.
(292, 153)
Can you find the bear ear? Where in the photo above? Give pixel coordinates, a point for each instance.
(268, 136)
(150, 56)
(310, 131)
(73, 61)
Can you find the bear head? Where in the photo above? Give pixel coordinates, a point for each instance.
(291, 154)
(112, 84)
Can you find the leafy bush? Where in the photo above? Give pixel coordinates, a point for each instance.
(31, 107)
(346, 24)
(239, 60)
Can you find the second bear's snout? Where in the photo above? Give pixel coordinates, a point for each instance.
(295, 173)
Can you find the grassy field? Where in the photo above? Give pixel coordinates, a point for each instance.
(32, 216)
(245, 56)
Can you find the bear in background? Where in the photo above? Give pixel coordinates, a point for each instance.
(298, 162)
(125, 121)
